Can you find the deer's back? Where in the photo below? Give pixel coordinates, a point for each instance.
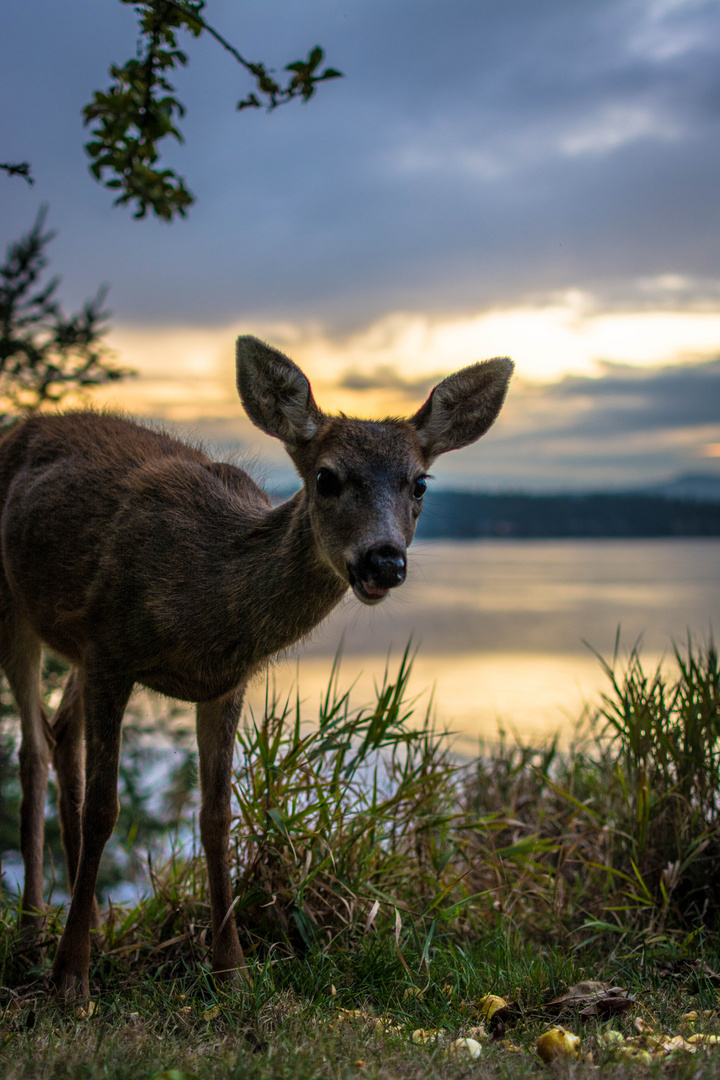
(93, 507)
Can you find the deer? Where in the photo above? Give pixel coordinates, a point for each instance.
(141, 561)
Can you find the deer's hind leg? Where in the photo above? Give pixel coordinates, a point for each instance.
(68, 758)
(21, 659)
(105, 694)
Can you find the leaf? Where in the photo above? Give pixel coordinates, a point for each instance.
(591, 998)
(315, 57)
(607, 1006)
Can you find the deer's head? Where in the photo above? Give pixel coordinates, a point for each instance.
(365, 479)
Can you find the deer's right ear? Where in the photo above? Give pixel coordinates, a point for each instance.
(275, 393)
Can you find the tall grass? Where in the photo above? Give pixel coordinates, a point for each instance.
(345, 819)
(354, 823)
(631, 812)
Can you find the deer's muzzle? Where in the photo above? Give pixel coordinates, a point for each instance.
(378, 570)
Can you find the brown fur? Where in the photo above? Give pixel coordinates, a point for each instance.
(142, 561)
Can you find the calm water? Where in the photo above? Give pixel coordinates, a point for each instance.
(501, 626)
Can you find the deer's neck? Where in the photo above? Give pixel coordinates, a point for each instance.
(283, 565)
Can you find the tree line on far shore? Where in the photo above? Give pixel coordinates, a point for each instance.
(467, 515)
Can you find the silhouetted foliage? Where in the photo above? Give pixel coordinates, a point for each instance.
(18, 168)
(140, 109)
(45, 354)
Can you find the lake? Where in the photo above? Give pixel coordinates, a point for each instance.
(501, 627)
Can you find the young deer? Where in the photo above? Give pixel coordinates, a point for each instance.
(142, 561)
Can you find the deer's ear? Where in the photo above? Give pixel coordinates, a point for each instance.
(275, 393)
(462, 407)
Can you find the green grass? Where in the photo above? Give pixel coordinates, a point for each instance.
(376, 872)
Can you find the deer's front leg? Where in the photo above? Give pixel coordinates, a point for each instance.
(216, 726)
(105, 698)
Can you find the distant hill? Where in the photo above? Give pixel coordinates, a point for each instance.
(702, 488)
(456, 515)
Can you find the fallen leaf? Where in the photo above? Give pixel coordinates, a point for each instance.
(658, 1044)
(423, 1036)
(478, 1032)
(386, 1025)
(210, 1014)
(591, 998)
(607, 1005)
(343, 1015)
(588, 988)
(643, 1027)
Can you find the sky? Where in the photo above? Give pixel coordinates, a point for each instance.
(533, 178)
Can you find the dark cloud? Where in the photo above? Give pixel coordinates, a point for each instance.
(387, 378)
(626, 399)
(624, 429)
(475, 153)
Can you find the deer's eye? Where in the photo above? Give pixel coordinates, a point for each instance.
(328, 484)
(419, 488)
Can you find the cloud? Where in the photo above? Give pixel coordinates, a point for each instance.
(475, 154)
(623, 399)
(623, 428)
(387, 378)
(571, 419)
(538, 179)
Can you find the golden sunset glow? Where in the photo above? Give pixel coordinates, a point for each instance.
(189, 373)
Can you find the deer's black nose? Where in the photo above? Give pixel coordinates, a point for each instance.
(384, 566)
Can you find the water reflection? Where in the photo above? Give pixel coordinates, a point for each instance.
(501, 626)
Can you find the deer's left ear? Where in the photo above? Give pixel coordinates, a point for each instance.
(462, 407)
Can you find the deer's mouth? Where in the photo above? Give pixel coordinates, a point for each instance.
(380, 569)
(367, 593)
(365, 590)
